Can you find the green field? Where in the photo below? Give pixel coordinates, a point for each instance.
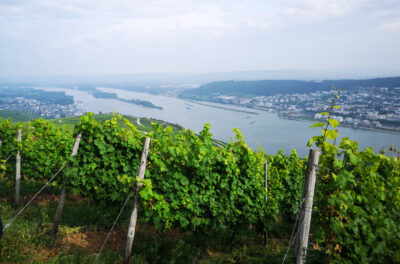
(145, 123)
(16, 116)
(69, 122)
(145, 126)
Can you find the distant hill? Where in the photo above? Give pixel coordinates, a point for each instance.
(272, 87)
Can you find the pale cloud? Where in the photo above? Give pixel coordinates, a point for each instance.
(197, 35)
(392, 26)
(150, 17)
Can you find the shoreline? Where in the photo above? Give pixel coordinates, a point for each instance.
(344, 125)
(389, 131)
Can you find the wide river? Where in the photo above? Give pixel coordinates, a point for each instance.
(262, 129)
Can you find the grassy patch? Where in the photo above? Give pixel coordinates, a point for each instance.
(16, 116)
(144, 124)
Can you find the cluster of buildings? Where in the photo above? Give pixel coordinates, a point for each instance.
(38, 108)
(367, 107)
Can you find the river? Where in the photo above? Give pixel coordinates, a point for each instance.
(262, 129)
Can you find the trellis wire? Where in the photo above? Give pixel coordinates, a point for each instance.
(112, 228)
(6, 159)
(291, 241)
(33, 198)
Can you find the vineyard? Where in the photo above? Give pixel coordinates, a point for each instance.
(200, 202)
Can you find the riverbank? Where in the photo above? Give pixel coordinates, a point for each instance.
(395, 132)
(385, 130)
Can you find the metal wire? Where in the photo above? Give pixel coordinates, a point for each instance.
(112, 228)
(6, 159)
(33, 198)
(291, 241)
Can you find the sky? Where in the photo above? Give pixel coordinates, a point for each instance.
(65, 37)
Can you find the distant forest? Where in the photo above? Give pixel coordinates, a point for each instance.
(40, 95)
(273, 87)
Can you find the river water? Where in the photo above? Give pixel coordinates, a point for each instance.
(262, 129)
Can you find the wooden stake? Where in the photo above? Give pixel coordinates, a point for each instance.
(63, 194)
(266, 195)
(132, 224)
(18, 171)
(300, 250)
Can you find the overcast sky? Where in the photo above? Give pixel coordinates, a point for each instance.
(56, 37)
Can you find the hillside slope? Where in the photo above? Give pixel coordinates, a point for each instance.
(273, 87)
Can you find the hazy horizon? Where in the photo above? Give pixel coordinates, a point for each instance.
(195, 79)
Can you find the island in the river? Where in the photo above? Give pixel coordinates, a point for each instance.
(104, 95)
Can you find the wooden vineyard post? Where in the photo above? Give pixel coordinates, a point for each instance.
(61, 202)
(17, 171)
(266, 195)
(132, 224)
(300, 250)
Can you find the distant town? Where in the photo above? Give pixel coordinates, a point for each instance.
(38, 108)
(364, 107)
(37, 103)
